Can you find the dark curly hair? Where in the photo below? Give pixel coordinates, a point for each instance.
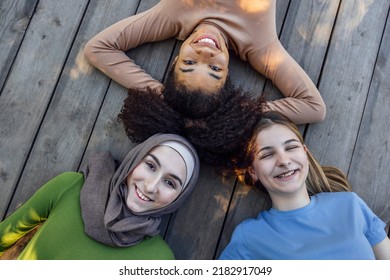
(218, 137)
(194, 104)
(145, 113)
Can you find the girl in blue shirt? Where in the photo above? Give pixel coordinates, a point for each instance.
(313, 214)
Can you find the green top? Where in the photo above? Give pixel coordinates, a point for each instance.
(61, 236)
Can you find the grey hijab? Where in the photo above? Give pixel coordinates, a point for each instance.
(107, 219)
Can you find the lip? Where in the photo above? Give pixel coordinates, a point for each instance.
(289, 177)
(139, 193)
(208, 36)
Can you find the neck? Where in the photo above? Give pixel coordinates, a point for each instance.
(290, 201)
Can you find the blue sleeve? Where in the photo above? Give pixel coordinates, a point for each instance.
(375, 227)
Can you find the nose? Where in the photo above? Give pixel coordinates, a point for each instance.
(283, 159)
(151, 184)
(205, 51)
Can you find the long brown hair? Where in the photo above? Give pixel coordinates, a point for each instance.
(319, 179)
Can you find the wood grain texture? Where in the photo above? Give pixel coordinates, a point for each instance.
(369, 171)
(15, 17)
(31, 83)
(346, 78)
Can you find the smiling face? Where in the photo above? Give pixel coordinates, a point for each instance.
(202, 63)
(156, 181)
(280, 163)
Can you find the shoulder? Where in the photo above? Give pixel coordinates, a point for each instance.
(244, 236)
(67, 179)
(249, 225)
(343, 200)
(337, 196)
(62, 183)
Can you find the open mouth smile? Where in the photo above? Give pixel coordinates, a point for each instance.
(141, 195)
(286, 174)
(207, 40)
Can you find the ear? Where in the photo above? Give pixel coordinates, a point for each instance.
(174, 61)
(305, 148)
(252, 173)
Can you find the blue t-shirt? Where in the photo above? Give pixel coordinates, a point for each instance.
(333, 226)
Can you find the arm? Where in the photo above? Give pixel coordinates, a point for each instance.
(374, 231)
(302, 102)
(36, 210)
(382, 249)
(106, 51)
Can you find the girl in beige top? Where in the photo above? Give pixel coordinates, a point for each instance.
(209, 28)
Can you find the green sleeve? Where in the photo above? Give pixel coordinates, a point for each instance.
(36, 210)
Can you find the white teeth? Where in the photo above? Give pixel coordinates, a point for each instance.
(207, 41)
(286, 174)
(141, 195)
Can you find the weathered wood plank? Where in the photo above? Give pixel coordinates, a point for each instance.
(14, 19)
(369, 172)
(346, 78)
(68, 123)
(309, 51)
(306, 34)
(30, 84)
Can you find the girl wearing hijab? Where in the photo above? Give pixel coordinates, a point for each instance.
(107, 212)
(314, 215)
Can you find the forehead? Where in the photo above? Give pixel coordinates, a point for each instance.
(169, 158)
(274, 135)
(166, 151)
(198, 79)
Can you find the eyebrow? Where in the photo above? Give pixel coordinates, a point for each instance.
(159, 164)
(270, 147)
(191, 70)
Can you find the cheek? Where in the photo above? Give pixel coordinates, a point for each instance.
(261, 170)
(223, 59)
(138, 173)
(185, 50)
(305, 160)
(129, 178)
(133, 173)
(305, 164)
(169, 196)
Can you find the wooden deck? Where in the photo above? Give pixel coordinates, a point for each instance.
(55, 109)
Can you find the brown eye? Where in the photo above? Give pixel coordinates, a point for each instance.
(151, 166)
(188, 62)
(170, 183)
(215, 68)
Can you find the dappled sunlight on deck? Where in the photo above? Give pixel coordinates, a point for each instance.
(81, 67)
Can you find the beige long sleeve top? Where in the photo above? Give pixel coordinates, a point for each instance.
(250, 31)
